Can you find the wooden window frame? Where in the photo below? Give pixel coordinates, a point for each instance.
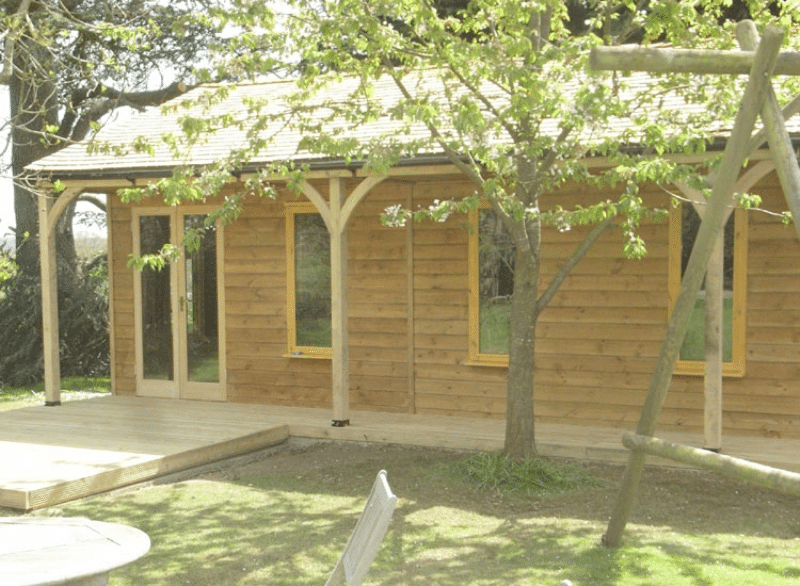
(294, 350)
(736, 366)
(475, 356)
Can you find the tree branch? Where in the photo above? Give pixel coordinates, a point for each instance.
(512, 132)
(95, 201)
(455, 158)
(141, 100)
(10, 42)
(573, 260)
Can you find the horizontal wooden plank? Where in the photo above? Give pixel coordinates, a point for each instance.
(602, 315)
(437, 267)
(444, 235)
(441, 252)
(642, 299)
(436, 297)
(773, 283)
(773, 352)
(447, 282)
(573, 331)
(771, 317)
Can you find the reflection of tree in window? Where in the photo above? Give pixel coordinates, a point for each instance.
(201, 304)
(694, 344)
(312, 257)
(154, 233)
(495, 283)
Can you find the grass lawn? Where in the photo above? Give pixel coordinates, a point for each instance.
(72, 388)
(285, 518)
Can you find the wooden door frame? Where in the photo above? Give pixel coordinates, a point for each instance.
(179, 386)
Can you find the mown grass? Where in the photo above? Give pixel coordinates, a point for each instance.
(72, 388)
(286, 523)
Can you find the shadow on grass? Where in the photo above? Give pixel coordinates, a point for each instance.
(289, 529)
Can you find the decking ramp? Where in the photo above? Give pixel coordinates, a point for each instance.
(52, 455)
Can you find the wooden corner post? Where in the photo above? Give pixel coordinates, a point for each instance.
(49, 276)
(50, 209)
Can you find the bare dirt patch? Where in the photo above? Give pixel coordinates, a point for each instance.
(676, 497)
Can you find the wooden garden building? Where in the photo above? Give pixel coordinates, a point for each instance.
(309, 300)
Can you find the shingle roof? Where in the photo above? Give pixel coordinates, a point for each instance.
(284, 139)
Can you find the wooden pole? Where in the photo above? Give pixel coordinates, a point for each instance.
(713, 339)
(712, 381)
(774, 478)
(731, 165)
(49, 276)
(336, 217)
(339, 342)
(780, 145)
(686, 60)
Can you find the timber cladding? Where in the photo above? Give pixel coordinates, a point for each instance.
(408, 318)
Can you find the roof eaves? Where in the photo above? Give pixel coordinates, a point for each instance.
(133, 174)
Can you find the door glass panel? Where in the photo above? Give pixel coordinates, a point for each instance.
(156, 302)
(200, 303)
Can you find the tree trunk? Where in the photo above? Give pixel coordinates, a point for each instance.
(25, 210)
(520, 442)
(520, 439)
(32, 106)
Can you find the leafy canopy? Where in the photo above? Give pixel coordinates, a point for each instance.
(505, 94)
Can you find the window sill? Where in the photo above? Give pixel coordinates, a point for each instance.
(698, 368)
(492, 362)
(311, 355)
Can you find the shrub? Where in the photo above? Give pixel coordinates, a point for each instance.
(83, 324)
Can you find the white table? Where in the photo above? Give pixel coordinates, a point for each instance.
(49, 551)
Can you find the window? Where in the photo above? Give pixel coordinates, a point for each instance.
(491, 279)
(308, 268)
(684, 224)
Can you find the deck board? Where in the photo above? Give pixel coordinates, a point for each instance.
(50, 455)
(55, 454)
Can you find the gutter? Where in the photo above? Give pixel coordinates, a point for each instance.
(135, 173)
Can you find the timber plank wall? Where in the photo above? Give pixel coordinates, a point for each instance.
(408, 318)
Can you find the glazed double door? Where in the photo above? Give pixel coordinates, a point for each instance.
(179, 307)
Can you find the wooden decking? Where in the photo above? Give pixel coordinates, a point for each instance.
(50, 455)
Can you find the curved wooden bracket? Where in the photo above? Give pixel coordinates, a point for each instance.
(59, 205)
(357, 196)
(319, 202)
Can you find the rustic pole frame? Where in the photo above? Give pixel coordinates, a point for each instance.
(772, 478)
(780, 144)
(762, 66)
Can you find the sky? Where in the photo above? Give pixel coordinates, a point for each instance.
(7, 219)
